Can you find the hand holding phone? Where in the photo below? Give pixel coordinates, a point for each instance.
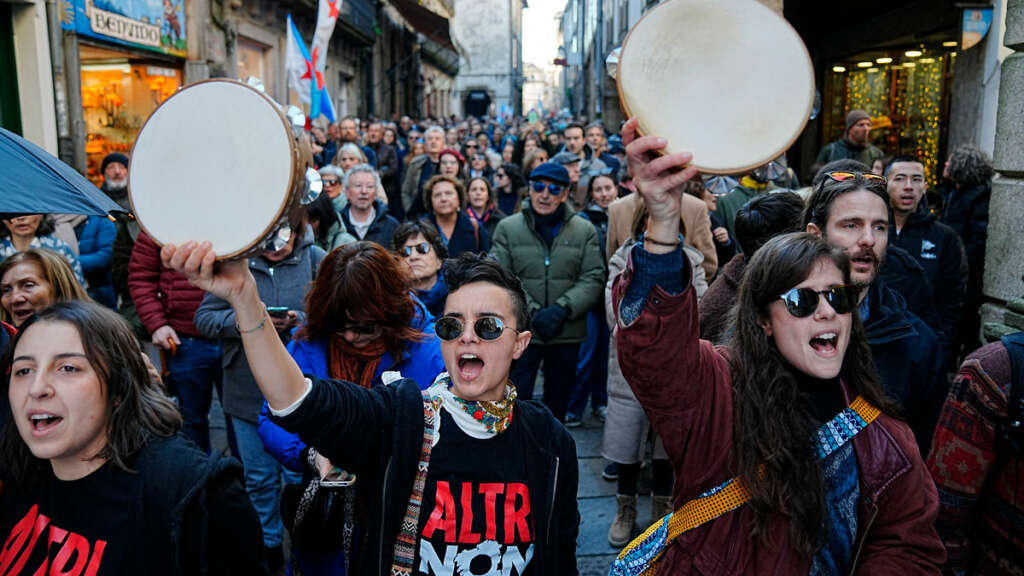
(337, 478)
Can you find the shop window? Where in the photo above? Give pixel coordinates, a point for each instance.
(118, 95)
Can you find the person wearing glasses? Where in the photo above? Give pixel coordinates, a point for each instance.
(558, 258)
(510, 186)
(419, 246)
(460, 470)
(784, 437)
(850, 210)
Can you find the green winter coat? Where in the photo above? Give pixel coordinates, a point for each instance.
(571, 273)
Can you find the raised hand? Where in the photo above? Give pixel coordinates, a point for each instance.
(228, 280)
(657, 178)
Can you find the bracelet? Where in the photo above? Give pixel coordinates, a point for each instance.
(660, 243)
(263, 322)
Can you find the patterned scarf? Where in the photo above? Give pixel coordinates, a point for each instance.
(358, 365)
(481, 419)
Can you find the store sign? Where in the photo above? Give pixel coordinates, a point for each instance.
(976, 22)
(150, 24)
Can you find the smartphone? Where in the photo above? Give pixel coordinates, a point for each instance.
(338, 478)
(277, 311)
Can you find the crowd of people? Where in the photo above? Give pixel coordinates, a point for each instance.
(798, 369)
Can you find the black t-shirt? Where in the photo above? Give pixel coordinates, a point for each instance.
(476, 516)
(85, 527)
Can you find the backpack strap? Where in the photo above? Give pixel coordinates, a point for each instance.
(640, 557)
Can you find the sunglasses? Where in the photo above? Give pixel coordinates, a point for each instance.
(422, 248)
(487, 328)
(841, 176)
(331, 182)
(364, 329)
(802, 302)
(553, 189)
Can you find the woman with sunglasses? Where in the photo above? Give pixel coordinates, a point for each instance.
(462, 471)
(362, 321)
(784, 437)
(418, 245)
(510, 186)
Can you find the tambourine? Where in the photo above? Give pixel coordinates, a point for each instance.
(221, 161)
(727, 80)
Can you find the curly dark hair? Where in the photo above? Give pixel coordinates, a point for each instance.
(969, 167)
(46, 226)
(411, 228)
(774, 442)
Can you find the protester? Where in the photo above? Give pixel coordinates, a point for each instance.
(556, 257)
(470, 439)
(855, 143)
(32, 280)
(626, 429)
(590, 163)
(451, 164)
(166, 305)
(725, 247)
(95, 459)
(365, 216)
(328, 230)
(482, 204)
(510, 185)
(975, 461)
(751, 185)
(420, 248)
(533, 159)
(850, 210)
(599, 144)
(935, 246)
(445, 196)
(478, 167)
(757, 222)
(115, 178)
(349, 155)
(592, 365)
(387, 166)
(966, 212)
(21, 232)
(420, 169)
(95, 237)
(797, 360)
(348, 133)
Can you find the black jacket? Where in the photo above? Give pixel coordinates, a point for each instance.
(966, 212)
(905, 276)
(908, 358)
(939, 251)
(466, 237)
(378, 435)
(381, 230)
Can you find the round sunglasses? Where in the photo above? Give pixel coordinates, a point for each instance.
(802, 302)
(552, 188)
(487, 328)
(422, 248)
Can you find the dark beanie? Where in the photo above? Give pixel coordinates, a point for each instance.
(856, 116)
(114, 157)
(551, 172)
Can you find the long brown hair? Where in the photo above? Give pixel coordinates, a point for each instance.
(55, 270)
(361, 281)
(770, 432)
(137, 408)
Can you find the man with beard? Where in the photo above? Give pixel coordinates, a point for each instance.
(851, 211)
(590, 163)
(115, 185)
(387, 167)
(855, 143)
(115, 178)
(348, 131)
(420, 169)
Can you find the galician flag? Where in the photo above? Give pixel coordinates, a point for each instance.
(326, 17)
(297, 63)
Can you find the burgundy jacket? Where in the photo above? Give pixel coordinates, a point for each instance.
(694, 417)
(161, 295)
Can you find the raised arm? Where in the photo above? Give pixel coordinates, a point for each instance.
(276, 373)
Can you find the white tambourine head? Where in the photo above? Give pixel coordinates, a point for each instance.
(728, 80)
(214, 162)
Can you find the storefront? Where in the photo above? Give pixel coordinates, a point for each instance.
(131, 58)
(906, 92)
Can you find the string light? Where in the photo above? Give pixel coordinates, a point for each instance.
(950, 44)
(864, 64)
(912, 53)
(883, 60)
(839, 69)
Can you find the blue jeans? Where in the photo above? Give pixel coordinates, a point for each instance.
(263, 480)
(196, 370)
(592, 367)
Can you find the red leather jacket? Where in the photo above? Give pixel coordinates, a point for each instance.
(685, 387)
(161, 295)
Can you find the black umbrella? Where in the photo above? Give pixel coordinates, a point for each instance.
(33, 181)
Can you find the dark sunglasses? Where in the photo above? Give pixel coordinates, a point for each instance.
(802, 302)
(422, 248)
(487, 328)
(331, 182)
(551, 188)
(358, 328)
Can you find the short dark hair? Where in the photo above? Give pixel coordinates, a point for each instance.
(904, 158)
(574, 125)
(470, 267)
(766, 216)
(820, 202)
(411, 228)
(137, 408)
